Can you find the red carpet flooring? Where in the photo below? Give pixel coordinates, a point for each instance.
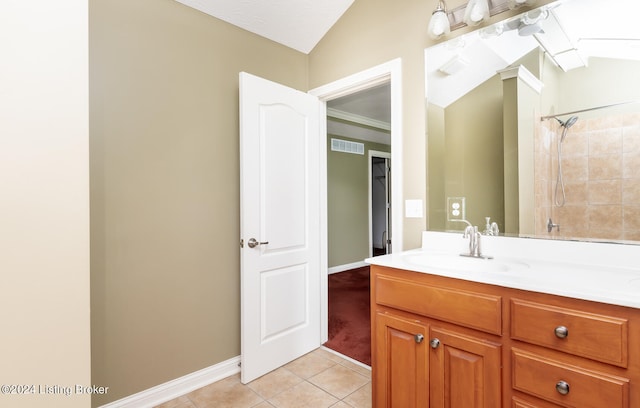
(349, 314)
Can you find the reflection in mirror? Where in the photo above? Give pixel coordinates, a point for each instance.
(535, 122)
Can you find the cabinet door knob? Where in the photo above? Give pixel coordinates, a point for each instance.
(418, 338)
(561, 332)
(562, 387)
(434, 343)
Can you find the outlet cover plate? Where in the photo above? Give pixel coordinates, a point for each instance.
(456, 209)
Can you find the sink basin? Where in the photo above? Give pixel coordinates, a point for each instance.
(452, 262)
(635, 283)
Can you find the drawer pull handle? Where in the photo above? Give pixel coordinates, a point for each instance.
(418, 338)
(434, 343)
(562, 387)
(561, 332)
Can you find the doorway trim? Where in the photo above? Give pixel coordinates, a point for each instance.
(381, 155)
(391, 72)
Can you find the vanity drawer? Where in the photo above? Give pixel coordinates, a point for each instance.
(469, 309)
(566, 385)
(598, 337)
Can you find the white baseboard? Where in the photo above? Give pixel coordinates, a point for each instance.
(346, 267)
(178, 387)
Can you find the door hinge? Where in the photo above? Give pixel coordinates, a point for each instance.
(241, 243)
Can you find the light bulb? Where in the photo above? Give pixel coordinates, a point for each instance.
(439, 24)
(492, 31)
(476, 12)
(514, 4)
(438, 29)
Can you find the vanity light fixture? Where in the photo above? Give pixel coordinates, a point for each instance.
(439, 24)
(472, 13)
(514, 4)
(531, 22)
(476, 12)
(492, 31)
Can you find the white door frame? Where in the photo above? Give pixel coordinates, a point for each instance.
(388, 72)
(384, 155)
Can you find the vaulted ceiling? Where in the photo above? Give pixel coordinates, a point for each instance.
(590, 25)
(298, 24)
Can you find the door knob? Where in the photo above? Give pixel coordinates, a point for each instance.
(252, 243)
(418, 338)
(434, 343)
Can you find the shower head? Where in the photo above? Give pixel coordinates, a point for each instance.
(569, 122)
(566, 125)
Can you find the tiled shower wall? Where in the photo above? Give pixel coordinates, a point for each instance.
(601, 172)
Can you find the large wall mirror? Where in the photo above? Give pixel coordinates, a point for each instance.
(535, 123)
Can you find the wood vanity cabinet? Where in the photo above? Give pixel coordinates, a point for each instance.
(443, 342)
(403, 368)
(419, 359)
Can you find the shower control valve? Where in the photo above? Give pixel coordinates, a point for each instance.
(551, 226)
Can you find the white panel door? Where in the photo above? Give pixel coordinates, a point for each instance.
(280, 225)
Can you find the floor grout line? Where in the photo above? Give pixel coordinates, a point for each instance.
(321, 357)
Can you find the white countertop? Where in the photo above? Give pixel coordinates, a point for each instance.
(608, 273)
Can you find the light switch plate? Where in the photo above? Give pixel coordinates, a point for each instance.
(413, 208)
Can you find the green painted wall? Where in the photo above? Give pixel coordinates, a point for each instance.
(474, 161)
(165, 261)
(466, 157)
(436, 175)
(617, 82)
(372, 32)
(348, 202)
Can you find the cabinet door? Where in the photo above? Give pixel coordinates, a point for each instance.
(465, 372)
(401, 365)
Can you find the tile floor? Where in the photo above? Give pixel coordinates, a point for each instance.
(320, 379)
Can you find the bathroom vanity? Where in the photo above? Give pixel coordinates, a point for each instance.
(532, 327)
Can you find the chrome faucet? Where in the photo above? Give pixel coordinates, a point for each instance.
(475, 242)
(491, 228)
(472, 233)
